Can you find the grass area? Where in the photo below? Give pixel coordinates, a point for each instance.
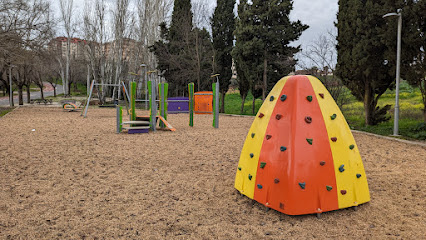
(4, 111)
(411, 124)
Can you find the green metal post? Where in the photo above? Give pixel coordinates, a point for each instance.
(191, 104)
(216, 105)
(163, 89)
(133, 100)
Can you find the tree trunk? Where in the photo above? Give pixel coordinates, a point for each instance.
(28, 94)
(20, 96)
(222, 103)
(253, 106)
(69, 88)
(242, 104)
(54, 89)
(369, 105)
(41, 91)
(265, 77)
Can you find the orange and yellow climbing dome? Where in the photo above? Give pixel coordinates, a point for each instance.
(299, 156)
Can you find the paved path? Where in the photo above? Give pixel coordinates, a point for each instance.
(48, 91)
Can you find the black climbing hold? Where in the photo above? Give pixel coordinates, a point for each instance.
(334, 116)
(342, 168)
(282, 148)
(239, 168)
(262, 164)
(321, 95)
(251, 155)
(259, 186)
(309, 98)
(268, 137)
(278, 116)
(250, 177)
(351, 147)
(308, 119)
(322, 163)
(334, 139)
(261, 115)
(302, 185)
(282, 205)
(329, 188)
(343, 192)
(271, 98)
(283, 97)
(276, 180)
(358, 175)
(252, 135)
(310, 141)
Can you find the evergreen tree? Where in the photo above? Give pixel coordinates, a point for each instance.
(361, 54)
(266, 31)
(243, 55)
(223, 26)
(184, 52)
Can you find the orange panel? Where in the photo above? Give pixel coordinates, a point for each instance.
(203, 102)
(295, 173)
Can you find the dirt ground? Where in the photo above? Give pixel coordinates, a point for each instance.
(75, 178)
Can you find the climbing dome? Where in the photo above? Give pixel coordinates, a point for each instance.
(299, 156)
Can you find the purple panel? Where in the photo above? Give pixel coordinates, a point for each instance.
(133, 131)
(178, 107)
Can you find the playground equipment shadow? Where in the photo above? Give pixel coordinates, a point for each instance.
(76, 178)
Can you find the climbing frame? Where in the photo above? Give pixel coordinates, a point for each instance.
(299, 156)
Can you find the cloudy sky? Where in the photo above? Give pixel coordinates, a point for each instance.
(318, 14)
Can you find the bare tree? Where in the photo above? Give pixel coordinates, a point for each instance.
(66, 16)
(319, 59)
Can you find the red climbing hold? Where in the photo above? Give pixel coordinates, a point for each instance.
(322, 163)
(343, 192)
(261, 115)
(282, 205)
(278, 116)
(308, 119)
(268, 137)
(334, 139)
(321, 95)
(276, 180)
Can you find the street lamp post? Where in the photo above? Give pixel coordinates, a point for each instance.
(398, 67)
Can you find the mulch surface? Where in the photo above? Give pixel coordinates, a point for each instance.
(75, 178)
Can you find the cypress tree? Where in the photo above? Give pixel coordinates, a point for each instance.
(184, 52)
(266, 33)
(244, 58)
(361, 54)
(223, 26)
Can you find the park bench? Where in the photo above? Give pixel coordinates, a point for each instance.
(39, 101)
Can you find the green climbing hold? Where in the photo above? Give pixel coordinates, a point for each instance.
(271, 98)
(283, 97)
(262, 164)
(334, 116)
(239, 168)
(309, 98)
(251, 155)
(282, 148)
(252, 135)
(351, 147)
(259, 186)
(358, 175)
(302, 185)
(310, 141)
(329, 188)
(250, 177)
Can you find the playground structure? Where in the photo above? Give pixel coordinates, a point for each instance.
(299, 156)
(142, 124)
